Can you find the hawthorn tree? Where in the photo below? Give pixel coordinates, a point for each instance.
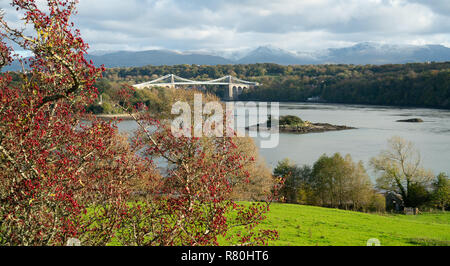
(193, 203)
(56, 161)
(64, 173)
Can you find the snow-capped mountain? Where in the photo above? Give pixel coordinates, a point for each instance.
(269, 54)
(361, 53)
(155, 57)
(375, 53)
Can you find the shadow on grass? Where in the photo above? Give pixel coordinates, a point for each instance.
(429, 242)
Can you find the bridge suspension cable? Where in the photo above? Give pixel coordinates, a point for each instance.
(176, 80)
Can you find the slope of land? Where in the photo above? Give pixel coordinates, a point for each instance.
(310, 226)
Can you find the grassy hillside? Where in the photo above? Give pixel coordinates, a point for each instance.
(309, 226)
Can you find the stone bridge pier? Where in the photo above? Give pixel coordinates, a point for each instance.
(234, 90)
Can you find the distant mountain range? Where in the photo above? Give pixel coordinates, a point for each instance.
(359, 54)
(266, 54)
(156, 58)
(372, 53)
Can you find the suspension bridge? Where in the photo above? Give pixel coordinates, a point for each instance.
(233, 86)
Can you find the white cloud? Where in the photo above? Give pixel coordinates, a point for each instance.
(231, 24)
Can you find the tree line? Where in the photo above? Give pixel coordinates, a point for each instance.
(415, 84)
(338, 182)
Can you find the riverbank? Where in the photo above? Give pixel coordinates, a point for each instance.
(300, 225)
(114, 116)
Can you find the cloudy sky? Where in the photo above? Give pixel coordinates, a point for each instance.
(297, 25)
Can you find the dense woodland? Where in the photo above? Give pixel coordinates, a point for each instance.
(338, 182)
(415, 85)
(418, 84)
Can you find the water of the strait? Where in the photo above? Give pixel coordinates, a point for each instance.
(375, 125)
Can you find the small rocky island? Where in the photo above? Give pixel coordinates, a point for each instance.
(294, 124)
(412, 120)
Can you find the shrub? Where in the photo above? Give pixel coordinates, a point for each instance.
(290, 120)
(377, 203)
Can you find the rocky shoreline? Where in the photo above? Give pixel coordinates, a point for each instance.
(311, 128)
(412, 120)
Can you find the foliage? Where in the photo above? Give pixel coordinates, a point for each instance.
(262, 182)
(296, 187)
(416, 84)
(47, 175)
(334, 181)
(290, 120)
(441, 191)
(418, 195)
(339, 182)
(66, 174)
(401, 172)
(193, 200)
(377, 203)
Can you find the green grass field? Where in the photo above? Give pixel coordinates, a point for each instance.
(310, 226)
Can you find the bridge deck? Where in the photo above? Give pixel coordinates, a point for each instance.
(174, 80)
(184, 83)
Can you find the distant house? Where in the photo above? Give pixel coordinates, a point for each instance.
(394, 202)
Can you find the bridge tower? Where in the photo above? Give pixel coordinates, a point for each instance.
(233, 90)
(172, 81)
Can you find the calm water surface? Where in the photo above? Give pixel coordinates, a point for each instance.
(375, 125)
